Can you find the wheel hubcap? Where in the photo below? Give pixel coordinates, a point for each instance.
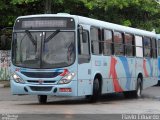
(139, 92)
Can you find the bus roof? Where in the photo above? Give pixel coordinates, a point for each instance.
(158, 36)
(98, 23)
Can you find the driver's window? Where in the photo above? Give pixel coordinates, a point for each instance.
(84, 52)
(84, 43)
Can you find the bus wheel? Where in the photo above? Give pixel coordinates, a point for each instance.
(42, 99)
(96, 91)
(158, 84)
(138, 92)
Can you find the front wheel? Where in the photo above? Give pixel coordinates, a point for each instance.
(96, 91)
(42, 99)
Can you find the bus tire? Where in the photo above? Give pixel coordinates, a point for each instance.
(42, 99)
(136, 93)
(96, 91)
(158, 84)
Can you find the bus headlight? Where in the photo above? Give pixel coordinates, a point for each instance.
(67, 79)
(17, 79)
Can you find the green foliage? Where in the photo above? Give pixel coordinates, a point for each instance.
(127, 23)
(144, 14)
(22, 1)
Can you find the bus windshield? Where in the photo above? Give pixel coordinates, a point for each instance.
(43, 49)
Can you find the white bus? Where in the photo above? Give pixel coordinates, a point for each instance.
(70, 55)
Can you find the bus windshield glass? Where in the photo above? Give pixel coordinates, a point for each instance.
(50, 49)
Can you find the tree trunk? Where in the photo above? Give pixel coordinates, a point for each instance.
(48, 5)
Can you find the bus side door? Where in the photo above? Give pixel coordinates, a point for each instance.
(84, 64)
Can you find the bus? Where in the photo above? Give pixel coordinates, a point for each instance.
(69, 55)
(158, 38)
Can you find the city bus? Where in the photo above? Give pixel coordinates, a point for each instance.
(70, 55)
(158, 38)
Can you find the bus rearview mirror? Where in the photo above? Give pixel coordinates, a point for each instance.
(84, 37)
(80, 28)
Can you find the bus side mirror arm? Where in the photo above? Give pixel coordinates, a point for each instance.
(80, 29)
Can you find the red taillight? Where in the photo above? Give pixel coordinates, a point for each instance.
(65, 90)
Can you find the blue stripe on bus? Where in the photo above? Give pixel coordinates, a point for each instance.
(151, 67)
(127, 71)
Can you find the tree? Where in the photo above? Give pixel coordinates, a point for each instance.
(144, 14)
(48, 5)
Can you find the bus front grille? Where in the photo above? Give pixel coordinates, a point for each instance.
(37, 81)
(41, 74)
(35, 88)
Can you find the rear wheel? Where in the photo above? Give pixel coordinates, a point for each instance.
(158, 84)
(136, 93)
(42, 99)
(96, 91)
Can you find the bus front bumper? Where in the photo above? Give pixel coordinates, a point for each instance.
(40, 89)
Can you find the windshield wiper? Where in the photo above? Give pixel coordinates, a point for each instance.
(52, 35)
(30, 37)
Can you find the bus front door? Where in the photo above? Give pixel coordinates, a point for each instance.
(84, 64)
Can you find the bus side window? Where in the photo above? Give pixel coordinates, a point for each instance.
(107, 42)
(147, 46)
(118, 43)
(84, 53)
(95, 35)
(129, 45)
(139, 46)
(154, 48)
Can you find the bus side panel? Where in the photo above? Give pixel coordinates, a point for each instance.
(120, 74)
(84, 81)
(159, 68)
(103, 67)
(149, 66)
(155, 71)
(126, 72)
